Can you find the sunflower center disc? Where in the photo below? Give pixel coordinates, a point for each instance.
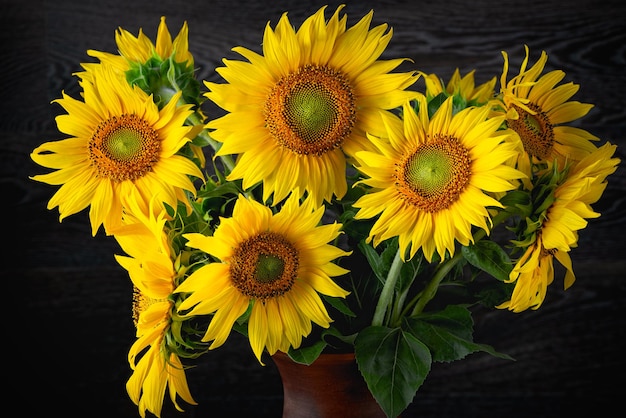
(435, 174)
(141, 303)
(264, 266)
(535, 131)
(269, 268)
(124, 148)
(311, 111)
(429, 170)
(123, 144)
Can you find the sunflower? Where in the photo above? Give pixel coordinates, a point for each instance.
(537, 111)
(153, 375)
(558, 234)
(160, 69)
(140, 49)
(463, 87)
(275, 263)
(430, 182)
(156, 366)
(295, 110)
(122, 148)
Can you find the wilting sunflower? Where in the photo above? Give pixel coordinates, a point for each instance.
(122, 148)
(155, 365)
(462, 87)
(311, 96)
(558, 234)
(431, 182)
(275, 263)
(537, 109)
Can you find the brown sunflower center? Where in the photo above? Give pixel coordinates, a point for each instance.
(535, 131)
(433, 176)
(141, 303)
(124, 147)
(264, 266)
(311, 111)
(549, 252)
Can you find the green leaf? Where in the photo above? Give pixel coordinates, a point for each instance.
(332, 335)
(228, 189)
(448, 334)
(394, 365)
(410, 270)
(309, 354)
(489, 257)
(339, 304)
(380, 263)
(518, 202)
(375, 261)
(435, 103)
(458, 103)
(493, 293)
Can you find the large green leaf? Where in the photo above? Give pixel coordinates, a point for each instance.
(489, 257)
(394, 365)
(448, 334)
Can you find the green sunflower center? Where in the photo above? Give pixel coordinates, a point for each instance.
(123, 144)
(269, 268)
(434, 175)
(429, 170)
(535, 131)
(124, 147)
(264, 266)
(311, 111)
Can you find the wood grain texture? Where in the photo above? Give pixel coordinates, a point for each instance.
(69, 328)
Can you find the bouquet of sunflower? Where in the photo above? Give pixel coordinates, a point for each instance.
(330, 208)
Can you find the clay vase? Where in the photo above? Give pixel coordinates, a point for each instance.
(331, 387)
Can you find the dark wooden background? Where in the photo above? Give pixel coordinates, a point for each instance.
(68, 327)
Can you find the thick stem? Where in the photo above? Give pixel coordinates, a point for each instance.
(384, 301)
(430, 290)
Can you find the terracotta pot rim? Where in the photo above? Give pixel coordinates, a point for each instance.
(322, 356)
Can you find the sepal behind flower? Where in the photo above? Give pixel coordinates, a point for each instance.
(163, 78)
(462, 89)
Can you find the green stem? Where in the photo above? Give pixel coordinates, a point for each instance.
(386, 295)
(444, 268)
(430, 290)
(396, 314)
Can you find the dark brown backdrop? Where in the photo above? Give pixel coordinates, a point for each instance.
(68, 327)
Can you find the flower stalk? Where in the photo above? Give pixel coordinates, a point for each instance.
(386, 295)
(431, 288)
